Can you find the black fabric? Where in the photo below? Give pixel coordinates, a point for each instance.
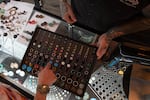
(104, 14)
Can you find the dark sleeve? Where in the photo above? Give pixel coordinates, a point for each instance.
(146, 11)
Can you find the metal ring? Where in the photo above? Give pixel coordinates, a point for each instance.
(63, 78)
(69, 80)
(75, 83)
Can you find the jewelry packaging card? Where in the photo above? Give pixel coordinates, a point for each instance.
(14, 16)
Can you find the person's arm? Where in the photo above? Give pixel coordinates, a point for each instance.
(139, 24)
(146, 11)
(39, 96)
(45, 79)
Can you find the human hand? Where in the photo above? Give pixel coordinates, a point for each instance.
(46, 76)
(102, 44)
(69, 16)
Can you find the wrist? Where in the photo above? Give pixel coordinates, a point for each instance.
(43, 82)
(108, 37)
(39, 96)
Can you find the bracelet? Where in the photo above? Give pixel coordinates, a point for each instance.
(43, 89)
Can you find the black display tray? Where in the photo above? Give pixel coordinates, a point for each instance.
(72, 61)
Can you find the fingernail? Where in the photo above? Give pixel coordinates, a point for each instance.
(49, 65)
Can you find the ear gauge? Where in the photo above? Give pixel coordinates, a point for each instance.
(25, 38)
(20, 73)
(15, 36)
(58, 75)
(22, 13)
(5, 34)
(69, 81)
(14, 65)
(39, 16)
(44, 24)
(10, 73)
(1, 27)
(32, 22)
(4, 38)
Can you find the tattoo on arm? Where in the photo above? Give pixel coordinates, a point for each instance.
(113, 34)
(137, 25)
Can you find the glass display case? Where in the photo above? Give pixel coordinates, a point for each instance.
(107, 80)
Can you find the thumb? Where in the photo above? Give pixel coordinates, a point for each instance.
(73, 17)
(100, 52)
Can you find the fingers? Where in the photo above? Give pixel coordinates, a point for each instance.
(102, 48)
(102, 45)
(54, 79)
(69, 20)
(73, 18)
(48, 66)
(100, 52)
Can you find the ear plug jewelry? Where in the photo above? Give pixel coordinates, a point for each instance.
(14, 65)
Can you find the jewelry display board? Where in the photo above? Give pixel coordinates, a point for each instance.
(72, 61)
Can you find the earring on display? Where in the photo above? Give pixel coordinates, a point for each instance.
(11, 18)
(2, 11)
(46, 24)
(2, 35)
(32, 22)
(5, 38)
(39, 16)
(13, 39)
(15, 36)
(22, 13)
(12, 12)
(20, 72)
(8, 73)
(25, 38)
(14, 65)
(53, 23)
